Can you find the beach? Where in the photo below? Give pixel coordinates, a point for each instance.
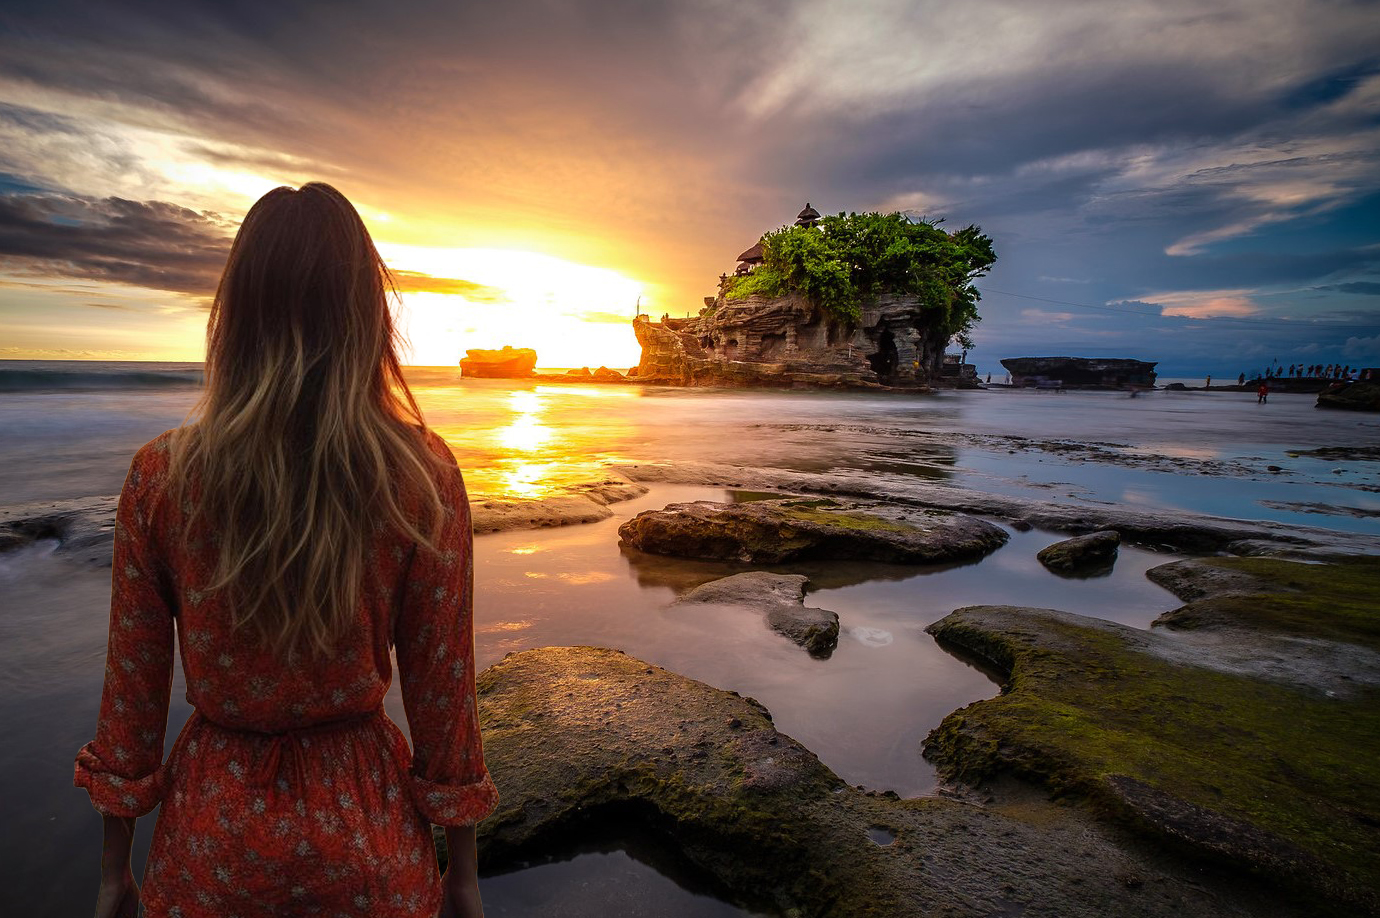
(69, 431)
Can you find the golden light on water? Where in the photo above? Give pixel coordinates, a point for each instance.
(573, 315)
(526, 432)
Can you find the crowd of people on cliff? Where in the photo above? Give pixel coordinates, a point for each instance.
(1298, 371)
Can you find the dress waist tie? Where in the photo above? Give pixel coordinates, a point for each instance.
(290, 742)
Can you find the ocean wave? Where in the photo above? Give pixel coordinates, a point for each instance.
(36, 379)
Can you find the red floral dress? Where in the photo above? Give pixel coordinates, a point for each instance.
(289, 792)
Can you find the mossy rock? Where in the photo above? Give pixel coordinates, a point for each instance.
(1222, 739)
(776, 531)
(1084, 555)
(579, 735)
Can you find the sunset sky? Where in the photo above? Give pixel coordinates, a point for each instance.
(1193, 182)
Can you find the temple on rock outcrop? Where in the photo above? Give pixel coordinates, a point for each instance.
(790, 339)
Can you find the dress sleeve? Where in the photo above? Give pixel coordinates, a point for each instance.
(120, 768)
(435, 643)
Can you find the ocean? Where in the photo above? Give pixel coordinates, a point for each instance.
(69, 430)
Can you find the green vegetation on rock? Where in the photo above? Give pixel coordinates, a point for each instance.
(1335, 602)
(847, 259)
(1279, 778)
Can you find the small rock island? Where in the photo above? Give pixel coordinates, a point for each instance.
(1079, 372)
(508, 363)
(856, 300)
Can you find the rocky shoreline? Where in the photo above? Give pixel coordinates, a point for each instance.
(1121, 771)
(1222, 763)
(575, 735)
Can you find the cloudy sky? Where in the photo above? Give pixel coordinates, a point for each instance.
(1190, 181)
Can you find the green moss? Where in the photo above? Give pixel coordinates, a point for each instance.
(1336, 601)
(1080, 707)
(816, 511)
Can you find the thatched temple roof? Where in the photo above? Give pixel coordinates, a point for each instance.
(754, 255)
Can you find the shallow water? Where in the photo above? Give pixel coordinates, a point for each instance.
(864, 711)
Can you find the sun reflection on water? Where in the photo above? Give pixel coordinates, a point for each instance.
(530, 442)
(526, 432)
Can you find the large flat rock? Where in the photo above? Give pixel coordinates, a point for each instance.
(773, 531)
(574, 735)
(1247, 734)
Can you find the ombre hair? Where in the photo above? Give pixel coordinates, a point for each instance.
(308, 439)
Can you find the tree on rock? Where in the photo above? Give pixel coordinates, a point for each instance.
(846, 260)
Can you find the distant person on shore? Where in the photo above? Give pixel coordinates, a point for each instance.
(1208, 384)
(303, 529)
(1262, 395)
(1241, 380)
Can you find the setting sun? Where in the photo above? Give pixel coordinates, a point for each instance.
(456, 298)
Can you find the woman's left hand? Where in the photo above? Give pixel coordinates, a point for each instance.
(119, 896)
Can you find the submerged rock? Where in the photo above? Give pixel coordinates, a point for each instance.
(774, 531)
(575, 736)
(84, 528)
(586, 502)
(1093, 553)
(1247, 737)
(781, 598)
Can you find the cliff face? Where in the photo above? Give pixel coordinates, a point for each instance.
(788, 341)
(1080, 372)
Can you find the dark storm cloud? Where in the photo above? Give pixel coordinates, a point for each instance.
(145, 243)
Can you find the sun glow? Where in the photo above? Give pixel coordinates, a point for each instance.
(573, 315)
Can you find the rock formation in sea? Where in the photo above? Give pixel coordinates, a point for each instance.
(1080, 372)
(789, 341)
(508, 363)
(829, 303)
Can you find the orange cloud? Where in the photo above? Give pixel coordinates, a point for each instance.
(1205, 304)
(419, 282)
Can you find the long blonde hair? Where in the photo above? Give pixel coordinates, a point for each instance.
(308, 438)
